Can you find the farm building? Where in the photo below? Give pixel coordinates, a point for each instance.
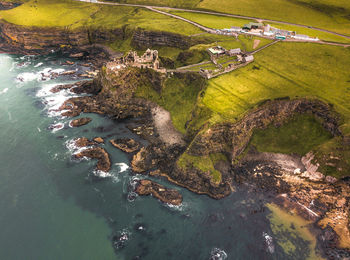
(233, 52)
(304, 37)
(216, 51)
(248, 58)
(251, 26)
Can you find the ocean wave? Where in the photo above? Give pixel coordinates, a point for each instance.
(53, 101)
(43, 75)
(269, 243)
(73, 148)
(180, 207)
(38, 65)
(218, 254)
(56, 127)
(4, 91)
(121, 238)
(122, 167)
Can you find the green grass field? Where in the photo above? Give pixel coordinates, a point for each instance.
(73, 15)
(221, 22)
(326, 14)
(213, 21)
(284, 69)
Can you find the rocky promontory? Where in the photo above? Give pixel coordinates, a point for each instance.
(92, 151)
(103, 161)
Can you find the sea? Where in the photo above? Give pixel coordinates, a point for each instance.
(53, 206)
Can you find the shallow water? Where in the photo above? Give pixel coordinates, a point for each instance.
(53, 207)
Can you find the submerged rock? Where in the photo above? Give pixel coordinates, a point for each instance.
(83, 142)
(99, 140)
(127, 145)
(80, 121)
(147, 187)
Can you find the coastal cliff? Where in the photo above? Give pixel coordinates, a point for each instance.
(34, 40)
(294, 180)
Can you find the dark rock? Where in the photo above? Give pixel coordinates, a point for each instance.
(99, 140)
(8, 5)
(80, 121)
(147, 187)
(103, 163)
(127, 145)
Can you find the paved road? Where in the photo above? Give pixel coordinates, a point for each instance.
(206, 29)
(214, 13)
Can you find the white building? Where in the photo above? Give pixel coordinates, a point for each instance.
(304, 37)
(248, 58)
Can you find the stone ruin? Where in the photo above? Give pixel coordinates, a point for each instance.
(148, 60)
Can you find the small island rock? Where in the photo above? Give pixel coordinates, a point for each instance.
(147, 187)
(127, 145)
(80, 121)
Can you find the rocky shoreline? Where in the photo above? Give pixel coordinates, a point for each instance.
(296, 185)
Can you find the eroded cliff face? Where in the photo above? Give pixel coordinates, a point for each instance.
(143, 39)
(42, 40)
(234, 138)
(33, 40)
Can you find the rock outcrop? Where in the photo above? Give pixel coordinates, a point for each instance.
(80, 122)
(103, 163)
(234, 138)
(8, 5)
(127, 145)
(147, 187)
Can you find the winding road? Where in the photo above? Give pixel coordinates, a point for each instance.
(210, 30)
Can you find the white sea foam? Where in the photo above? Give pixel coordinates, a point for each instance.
(218, 254)
(180, 207)
(102, 174)
(38, 65)
(73, 148)
(56, 127)
(43, 75)
(4, 91)
(122, 167)
(54, 101)
(27, 76)
(269, 243)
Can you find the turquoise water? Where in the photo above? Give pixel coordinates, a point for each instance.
(53, 207)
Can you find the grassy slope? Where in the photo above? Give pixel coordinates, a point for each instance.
(71, 14)
(299, 135)
(178, 96)
(294, 70)
(284, 69)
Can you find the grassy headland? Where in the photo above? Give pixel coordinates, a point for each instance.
(73, 15)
